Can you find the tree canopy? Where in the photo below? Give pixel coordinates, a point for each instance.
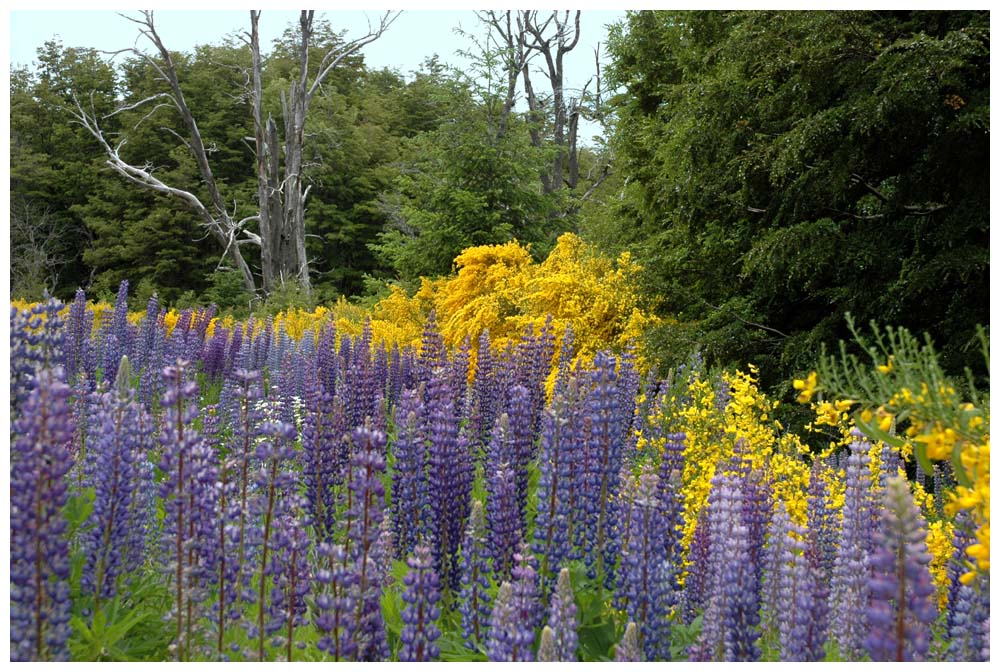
(788, 167)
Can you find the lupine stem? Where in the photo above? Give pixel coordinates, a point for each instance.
(263, 561)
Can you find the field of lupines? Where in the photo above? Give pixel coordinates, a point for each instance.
(182, 490)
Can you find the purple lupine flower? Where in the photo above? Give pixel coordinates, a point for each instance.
(474, 598)
(364, 518)
(432, 355)
(647, 576)
(450, 475)
(290, 577)
(119, 329)
(604, 463)
(628, 650)
(336, 604)
(39, 551)
(671, 503)
(459, 373)
(483, 395)
(901, 609)
(696, 585)
(849, 584)
(421, 595)
(502, 520)
(327, 363)
(563, 621)
(731, 619)
(565, 360)
(394, 377)
(324, 456)
(561, 457)
(77, 336)
(409, 479)
(522, 444)
(213, 363)
(189, 497)
(122, 440)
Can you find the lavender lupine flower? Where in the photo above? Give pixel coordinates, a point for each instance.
(901, 609)
(275, 486)
(336, 603)
(364, 518)
(849, 586)
(525, 577)
(968, 623)
(122, 440)
(821, 523)
(290, 577)
(324, 456)
(409, 480)
(563, 621)
(421, 595)
(39, 552)
(628, 650)
(789, 590)
(731, 619)
(474, 598)
(500, 646)
(151, 379)
(511, 632)
(36, 343)
(189, 497)
(547, 647)
(561, 458)
(647, 576)
(450, 474)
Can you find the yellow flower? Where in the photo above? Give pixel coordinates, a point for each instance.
(806, 387)
(887, 367)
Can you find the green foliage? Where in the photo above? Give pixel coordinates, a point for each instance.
(788, 167)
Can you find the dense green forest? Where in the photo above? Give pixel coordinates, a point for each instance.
(769, 170)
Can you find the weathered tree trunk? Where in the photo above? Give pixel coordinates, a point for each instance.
(281, 199)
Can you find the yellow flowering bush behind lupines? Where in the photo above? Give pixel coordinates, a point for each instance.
(712, 436)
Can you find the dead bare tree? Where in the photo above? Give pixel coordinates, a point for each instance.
(281, 188)
(37, 250)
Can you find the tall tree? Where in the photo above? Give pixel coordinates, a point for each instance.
(788, 167)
